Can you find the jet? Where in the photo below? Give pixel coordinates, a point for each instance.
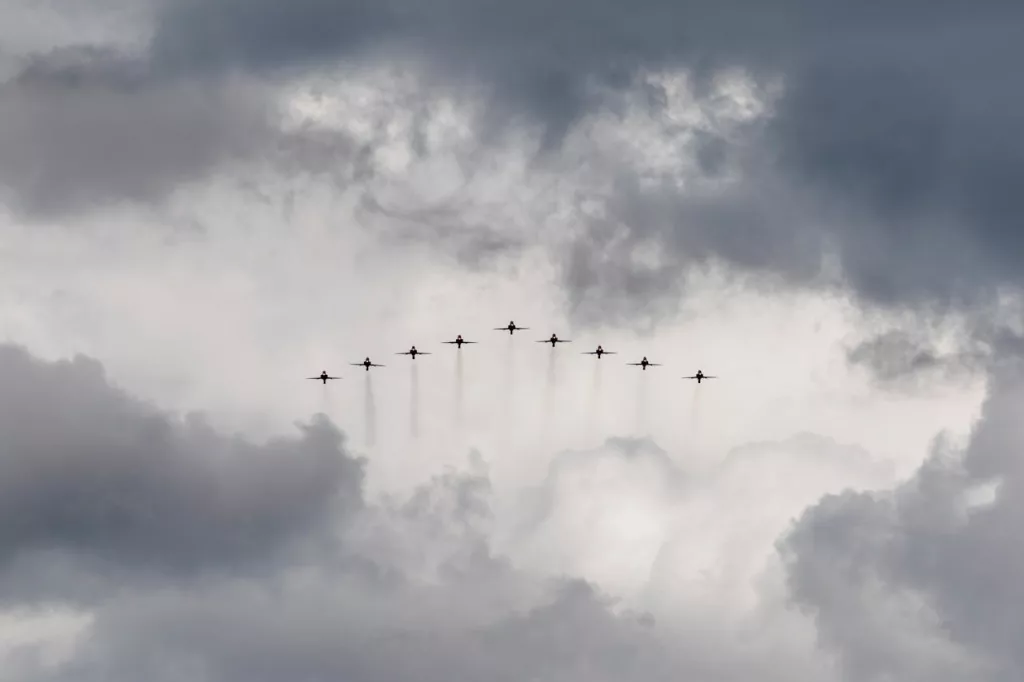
(510, 328)
(644, 364)
(699, 376)
(599, 352)
(365, 363)
(413, 352)
(554, 339)
(458, 341)
(323, 377)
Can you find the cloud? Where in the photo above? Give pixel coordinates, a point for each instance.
(920, 582)
(880, 153)
(900, 357)
(183, 550)
(87, 129)
(101, 490)
(84, 127)
(93, 480)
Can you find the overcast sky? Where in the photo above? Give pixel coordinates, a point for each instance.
(204, 203)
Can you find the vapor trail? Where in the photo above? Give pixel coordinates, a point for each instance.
(508, 404)
(458, 389)
(594, 413)
(549, 389)
(695, 414)
(414, 400)
(370, 411)
(641, 404)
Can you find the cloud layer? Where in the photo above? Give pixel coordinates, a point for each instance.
(196, 553)
(882, 149)
(91, 475)
(917, 582)
(363, 172)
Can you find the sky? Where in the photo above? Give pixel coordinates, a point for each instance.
(204, 203)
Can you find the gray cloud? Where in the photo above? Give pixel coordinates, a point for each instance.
(90, 477)
(921, 582)
(247, 633)
(896, 150)
(83, 126)
(899, 356)
(99, 490)
(894, 146)
(208, 556)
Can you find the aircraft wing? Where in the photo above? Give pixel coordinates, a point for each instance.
(608, 352)
(422, 352)
(590, 352)
(316, 378)
(375, 365)
(452, 342)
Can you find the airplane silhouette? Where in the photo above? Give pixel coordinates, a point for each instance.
(510, 328)
(699, 376)
(458, 341)
(554, 339)
(323, 377)
(599, 352)
(413, 352)
(365, 363)
(644, 364)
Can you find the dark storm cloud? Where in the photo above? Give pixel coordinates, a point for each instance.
(91, 478)
(944, 541)
(748, 226)
(914, 131)
(897, 135)
(81, 127)
(895, 145)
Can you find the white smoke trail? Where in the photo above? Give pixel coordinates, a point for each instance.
(414, 400)
(549, 390)
(459, 381)
(695, 410)
(508, 415)
(370, 411)
(325, 399)
(641, 404)
(594, 413)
